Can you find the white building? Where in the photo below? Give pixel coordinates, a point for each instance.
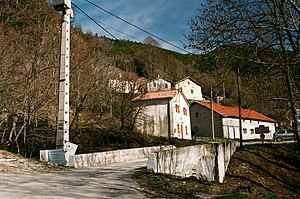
(226, 122)
(164, 113)
(159, 84)
(190, 88)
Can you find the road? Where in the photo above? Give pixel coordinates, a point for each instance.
(110, 181)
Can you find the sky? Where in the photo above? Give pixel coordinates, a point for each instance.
(166, 19)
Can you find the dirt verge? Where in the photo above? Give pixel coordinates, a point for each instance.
(12, 163)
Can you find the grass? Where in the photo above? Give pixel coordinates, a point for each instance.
(255, 171)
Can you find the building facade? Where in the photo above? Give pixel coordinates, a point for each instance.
(190, 88)
(158, 84)
(164, 113)
(226, 122)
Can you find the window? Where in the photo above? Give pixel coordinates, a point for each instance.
(154, 84)
(186, 130)
(252, 131)
(166, 85)
(182, 130)
(177, 107)
(188, 83)
(245, 131)
(184, 111)
(178, 129)
(192, 91)
(196, 115)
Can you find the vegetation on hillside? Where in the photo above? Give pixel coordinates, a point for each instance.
(29, 64)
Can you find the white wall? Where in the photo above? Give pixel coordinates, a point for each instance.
(231, 125)
(207, 162)
(109, 157)
(190, 89)
(179, 118)
(154, 118)
(158, 84)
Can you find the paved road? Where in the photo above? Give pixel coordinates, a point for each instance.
(112, 181)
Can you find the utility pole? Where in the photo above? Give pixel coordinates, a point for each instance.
(239, 102)
(62, 136)
(212, 113)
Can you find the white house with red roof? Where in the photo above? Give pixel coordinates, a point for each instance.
(226, 122)
(190, 88)
(164, 113)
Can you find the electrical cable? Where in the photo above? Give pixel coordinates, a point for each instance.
(145, 31)
(119, 40)
(114, 29)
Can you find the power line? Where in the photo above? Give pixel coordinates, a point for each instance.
(113, 28)
(142, 57)
(94, 21)
(145, 31)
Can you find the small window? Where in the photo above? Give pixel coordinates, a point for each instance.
(245, 131)
(154, 84)
(192, 91)
(188, 83)
(186, 130)
(166, 85)
(196, 115)
(178, 129)
(252, 131)
(184, 111)
(182, 129)
(177, 107)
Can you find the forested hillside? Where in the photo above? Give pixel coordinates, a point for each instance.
(29, 64)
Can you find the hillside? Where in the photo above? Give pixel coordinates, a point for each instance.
(258, 171)
(29, 66)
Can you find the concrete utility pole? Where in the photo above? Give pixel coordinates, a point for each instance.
(62, 136)
(212, 113)
(240, 110)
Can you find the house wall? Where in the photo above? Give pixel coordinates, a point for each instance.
(231, 125)
(159, 84)
(201, 122)
(180, 119)
(154, 118)
(190, 89)
(225, 127)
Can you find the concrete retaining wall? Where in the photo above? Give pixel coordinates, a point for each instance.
(108, 157)
(207, 162)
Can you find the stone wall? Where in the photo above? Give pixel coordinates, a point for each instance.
(108, 157)
(201, 121)
(207, 162)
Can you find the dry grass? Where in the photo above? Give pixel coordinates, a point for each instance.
(12, 163)
(257, 171)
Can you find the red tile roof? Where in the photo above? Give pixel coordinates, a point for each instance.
(228, 111)
(165, 94)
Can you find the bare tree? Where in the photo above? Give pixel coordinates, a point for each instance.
(269, 29)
